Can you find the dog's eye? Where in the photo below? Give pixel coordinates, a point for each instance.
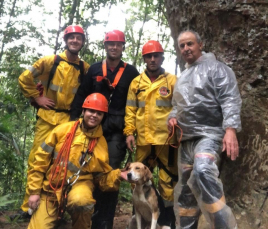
(137, 168)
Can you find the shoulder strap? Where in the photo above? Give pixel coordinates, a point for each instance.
(81, 68)
(104, 68)
(118, 75)
(57, 60)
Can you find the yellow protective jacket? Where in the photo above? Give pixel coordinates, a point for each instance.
(147, 109)
(97, 170)
(62, 87)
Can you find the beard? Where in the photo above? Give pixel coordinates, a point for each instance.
(113, 58)
(153, 70)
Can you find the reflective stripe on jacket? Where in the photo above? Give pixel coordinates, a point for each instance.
(62, 87)
(147, 109)
(98, 168)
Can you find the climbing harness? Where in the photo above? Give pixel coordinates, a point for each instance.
(107, 81)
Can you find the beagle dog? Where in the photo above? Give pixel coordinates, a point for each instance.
(145, 198)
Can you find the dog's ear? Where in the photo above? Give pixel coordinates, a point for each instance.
(126, 167)
(147, 174)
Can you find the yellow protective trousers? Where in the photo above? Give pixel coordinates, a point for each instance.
(199, 188)
(42, 130)
(80, 206)
(166, 154)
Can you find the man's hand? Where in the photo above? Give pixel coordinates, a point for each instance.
(44, 102)
(34, 201)
(230, 144)
(130, 142)
(171, 123)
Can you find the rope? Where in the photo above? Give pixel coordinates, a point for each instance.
(60, 164)
(68, 187)
(167, 141)
(61, 161)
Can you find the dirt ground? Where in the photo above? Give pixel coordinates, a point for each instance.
(123, 215)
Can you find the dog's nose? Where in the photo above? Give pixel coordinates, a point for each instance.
(129, 176)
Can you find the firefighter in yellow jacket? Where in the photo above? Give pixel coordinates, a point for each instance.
(58, 91)
(148, 106)
(79, 149)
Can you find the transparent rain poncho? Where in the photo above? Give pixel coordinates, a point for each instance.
(199, 187)
(206, 99)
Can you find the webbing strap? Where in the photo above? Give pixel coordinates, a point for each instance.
(118, 75)
(162, 166)
(174, 177)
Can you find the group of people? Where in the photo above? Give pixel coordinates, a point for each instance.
(74, 164)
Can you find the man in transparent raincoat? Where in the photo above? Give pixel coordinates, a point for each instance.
(206, 105)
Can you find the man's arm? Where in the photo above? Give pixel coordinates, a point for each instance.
(130, 117)
(172, 117)
(27, 85)
(40, 166)
(83, 91)
(227, 93)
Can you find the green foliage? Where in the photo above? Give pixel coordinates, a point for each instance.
(4, 201)
(143, 16)
(125, 191)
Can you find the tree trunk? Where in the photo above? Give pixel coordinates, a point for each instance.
(237, 33)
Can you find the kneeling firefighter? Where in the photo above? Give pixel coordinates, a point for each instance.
(68, 165)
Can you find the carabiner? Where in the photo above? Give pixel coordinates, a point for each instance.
(71, 177)
(75, 180)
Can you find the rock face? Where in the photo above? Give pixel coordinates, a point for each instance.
(237, 33)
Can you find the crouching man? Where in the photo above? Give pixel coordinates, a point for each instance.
(68, 165)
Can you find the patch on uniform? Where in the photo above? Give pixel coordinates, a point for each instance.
(163, 91)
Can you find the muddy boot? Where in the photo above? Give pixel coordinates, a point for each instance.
(224, 219)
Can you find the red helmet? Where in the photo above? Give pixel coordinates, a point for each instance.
(73, 29)
(96, 101)
(151, 47)
(115, 35)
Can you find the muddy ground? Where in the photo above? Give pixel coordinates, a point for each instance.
(123, 215)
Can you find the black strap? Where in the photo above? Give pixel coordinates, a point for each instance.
(81, 68)
(57, 60)
(171, 156)
(64, 201)
(60, 110)
(162, 166)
